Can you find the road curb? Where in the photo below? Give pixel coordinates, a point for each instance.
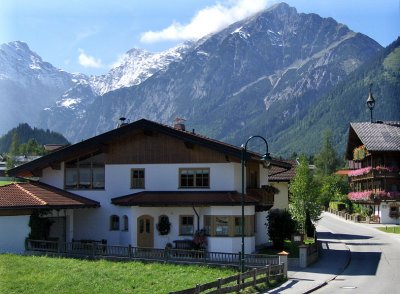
(327, 281)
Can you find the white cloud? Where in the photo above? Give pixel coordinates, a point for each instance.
(89, 61)
(208, 20)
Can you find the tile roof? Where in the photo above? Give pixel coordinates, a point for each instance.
(39, 195)
(384, 136)
(279, 174)
(183, 198)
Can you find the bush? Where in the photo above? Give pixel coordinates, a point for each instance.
(337, 205)
(281, 226)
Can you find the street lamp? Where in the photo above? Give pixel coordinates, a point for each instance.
(266, 158)
(370, 101)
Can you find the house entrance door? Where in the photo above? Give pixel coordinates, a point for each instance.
(145, 232)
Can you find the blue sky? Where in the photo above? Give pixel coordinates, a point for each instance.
(89, 36)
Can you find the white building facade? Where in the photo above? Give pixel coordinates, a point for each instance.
(158, 186)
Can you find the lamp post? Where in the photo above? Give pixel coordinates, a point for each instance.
(267, 158)
(370, 101)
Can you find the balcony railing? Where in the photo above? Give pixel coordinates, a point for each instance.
(264, 195)
(371, 196)
(374, 172)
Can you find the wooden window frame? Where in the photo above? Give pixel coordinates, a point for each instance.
(132, 179)
(114, 222)
(181, 233)
(249, 225)
(77, 166)
(125, 223)
(194, 169)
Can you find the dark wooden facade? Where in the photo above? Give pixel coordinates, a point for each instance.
(378, 173)
(154, 148)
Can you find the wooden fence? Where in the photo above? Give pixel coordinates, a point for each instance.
(347, 216)
(98, 250)
(239, 282)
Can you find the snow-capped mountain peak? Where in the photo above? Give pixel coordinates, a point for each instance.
(135, 66)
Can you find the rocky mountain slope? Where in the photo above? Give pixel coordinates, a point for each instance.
(265, 75)
(258, 76)
(134, 67)
(346, 103)
(28, 84)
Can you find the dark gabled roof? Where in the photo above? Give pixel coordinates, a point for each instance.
(376, 137)
(279, 174)
(184, 198)
(34, 195)
(99, 143)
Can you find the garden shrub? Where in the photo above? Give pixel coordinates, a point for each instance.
(281, 226)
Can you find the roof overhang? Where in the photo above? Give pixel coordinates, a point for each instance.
(183, 198)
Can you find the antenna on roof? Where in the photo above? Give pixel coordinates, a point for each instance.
(179, 124)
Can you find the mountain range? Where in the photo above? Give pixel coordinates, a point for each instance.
(277, 74)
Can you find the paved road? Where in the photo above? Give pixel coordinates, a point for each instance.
(374, 265)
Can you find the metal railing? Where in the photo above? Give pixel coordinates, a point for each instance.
(98, 250)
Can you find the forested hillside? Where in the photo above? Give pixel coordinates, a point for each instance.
(347, 103)
(23, 133)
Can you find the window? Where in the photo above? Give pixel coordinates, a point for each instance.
(125, 221)
(221, 225)
(114, 223)
(238, 225)
(186, 225)
(137, 178)
(85, 173)
(207, 225)
(228, 226)
(194, 177)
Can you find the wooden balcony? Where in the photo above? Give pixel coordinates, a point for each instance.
(375, 174)
(265, 196)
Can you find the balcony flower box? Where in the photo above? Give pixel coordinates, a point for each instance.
(360, 171)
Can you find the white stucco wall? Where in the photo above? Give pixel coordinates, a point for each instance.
(13, 231)
(384, 210)
(93, 223)
(261, 229)
(281, 200)
(263, 176)
(165, 177)
(53, 177)
(216, 244)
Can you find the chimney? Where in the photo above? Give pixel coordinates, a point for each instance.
(179, 124)
(122, 122)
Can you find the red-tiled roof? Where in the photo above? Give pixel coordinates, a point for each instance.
(279, 174)
(183, 198)
(39, 195)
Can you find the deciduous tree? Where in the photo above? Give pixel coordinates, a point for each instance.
(304, 195)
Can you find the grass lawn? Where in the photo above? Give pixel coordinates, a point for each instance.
(39, 274)
(2, 183)
(395, 230)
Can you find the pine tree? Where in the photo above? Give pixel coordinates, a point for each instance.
(327, 160)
